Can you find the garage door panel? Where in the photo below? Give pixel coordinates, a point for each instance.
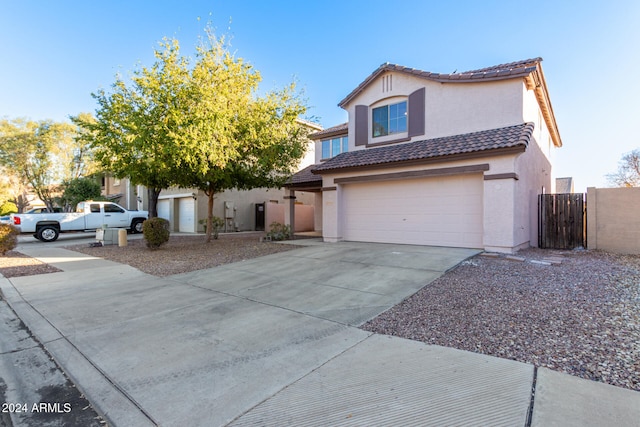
(164, 209)
(444, 211)
(186, 215)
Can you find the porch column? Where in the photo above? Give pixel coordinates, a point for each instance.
(290, 214)
(317, 211)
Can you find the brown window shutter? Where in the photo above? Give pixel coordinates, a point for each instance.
(416, 113)
(362, 125)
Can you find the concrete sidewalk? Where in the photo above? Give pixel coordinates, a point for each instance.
(273, 341)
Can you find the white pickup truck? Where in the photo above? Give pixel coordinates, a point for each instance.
(88, 216)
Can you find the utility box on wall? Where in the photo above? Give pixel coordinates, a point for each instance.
(229, 217)
(228, 210)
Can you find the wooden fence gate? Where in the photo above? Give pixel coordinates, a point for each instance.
(562, 221)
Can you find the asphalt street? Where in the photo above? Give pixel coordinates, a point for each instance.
(34, 391)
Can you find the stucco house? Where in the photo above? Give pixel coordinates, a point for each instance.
(437, 159)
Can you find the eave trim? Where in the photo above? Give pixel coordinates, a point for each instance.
(425, 173)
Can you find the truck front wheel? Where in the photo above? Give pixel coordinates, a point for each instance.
(47, 233)
(136, 226)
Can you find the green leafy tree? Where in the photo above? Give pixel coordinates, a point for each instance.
(76, 190)
(12, 189)
(35, 153)
(229, 137)
(628, 174)
(197, 123)
(6, 186)
(80, 158)
(7, 208)
(134, 132)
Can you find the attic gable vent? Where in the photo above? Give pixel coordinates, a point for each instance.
(387, 83)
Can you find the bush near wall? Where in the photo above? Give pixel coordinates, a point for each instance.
(217, 223)
(156, 232)
(279, 232)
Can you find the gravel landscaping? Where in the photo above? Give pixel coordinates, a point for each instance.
(14, 264)
(182, 254)
(581, 317)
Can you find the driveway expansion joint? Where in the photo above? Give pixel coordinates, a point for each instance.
(533, 397)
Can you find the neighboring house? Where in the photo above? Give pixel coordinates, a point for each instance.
(121, 191)
(245, 210)
(564, 185)
(437, 159)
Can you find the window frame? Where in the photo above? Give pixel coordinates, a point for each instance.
(384, 112)
(331, 147)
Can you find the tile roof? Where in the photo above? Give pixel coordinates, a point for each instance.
(340, 129)
(509, 66)
(304, 177)
(497, 72)
(507, 137)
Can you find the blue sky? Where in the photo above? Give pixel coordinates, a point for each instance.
(53, 54)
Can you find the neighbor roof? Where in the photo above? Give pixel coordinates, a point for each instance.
(304, 177)
(340, 129)
(564, 185)
(512, 137)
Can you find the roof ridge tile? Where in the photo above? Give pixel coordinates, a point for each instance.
(502, 71)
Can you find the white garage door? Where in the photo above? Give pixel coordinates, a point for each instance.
(163, 209)
(442, 211)
(186, 215)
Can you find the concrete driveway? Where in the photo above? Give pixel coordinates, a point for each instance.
(347, 283)
(204, 348)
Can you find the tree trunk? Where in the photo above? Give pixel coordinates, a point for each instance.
(153, 194)
(48, 202)
(45, 196)
(210, 193)
(21, 202)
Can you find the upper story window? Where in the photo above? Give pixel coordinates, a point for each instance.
(389, 119)
(333, 147)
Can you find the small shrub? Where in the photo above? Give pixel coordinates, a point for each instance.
(156, 232)
(279, 232)
(217, 223)
(8, 238)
